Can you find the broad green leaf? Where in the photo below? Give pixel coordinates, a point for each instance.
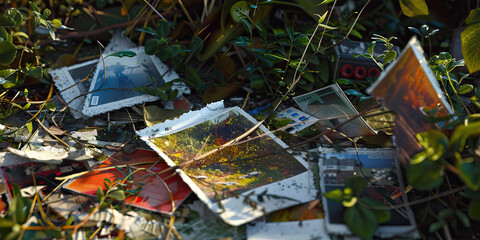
(361, 221)
(334, 195)
(473, 17)
(56, 23)
(4, 36)
(474, 210)
(163, 29)
(382, 215)
(15, 15)
(8, 51)
(464, 89)
(239, 11)
(413, 8)
(357, 184)
(470, 47)
(34, 72)
(5, 21)
(117, 194)
(123, 54)
(152, 46)
(470, 174)
(425, 175)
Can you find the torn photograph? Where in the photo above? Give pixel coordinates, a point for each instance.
(332, 107)
(259, 165)
(380, 169)
(116, 76)
(148, 192)
(409, 88)
(73, 83)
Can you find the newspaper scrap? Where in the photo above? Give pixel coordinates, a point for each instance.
(409, 88)
(379, 168)
(240, 182)
(331, 106)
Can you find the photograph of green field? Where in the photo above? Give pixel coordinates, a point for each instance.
(234, 169)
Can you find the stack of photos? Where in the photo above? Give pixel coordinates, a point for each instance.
(331, 106)
(107, 84)
(240, 182)
(409, 88)
(379, 168)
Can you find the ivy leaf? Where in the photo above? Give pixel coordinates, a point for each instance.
(470, 45)
(425, 175)
(239, 11)
(361, 221)
(413, 8)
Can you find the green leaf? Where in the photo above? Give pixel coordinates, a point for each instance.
(361, 221)
(100, 194)
(163, 29)
(123, 54)
(425, 175)
(56, 23)
(27, 106)
(196, 45)
(415, 31)
(325, 2)
(461, 134)
(357, 184)
(334, 195)
(29, 126)
(436, 225)
(117, 194)
(470, 45)
(46, 13)
(464, 89)
(322, 17)
(34, 72)
(148, 30)
(152, 46)
(14, 15)
(435, 142)
(192, 77)
(239, 11)
(6, 22)
(413, 8)
(247, 25)
(382, 215)
(99, 4)
(470, 174)
(473, 17)
(11, 80)
(474, 210)
(390, 56)
(445, 213)
(256, 81)
(463, 218)
(4, 36)
(50, 106)
(8, 51)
